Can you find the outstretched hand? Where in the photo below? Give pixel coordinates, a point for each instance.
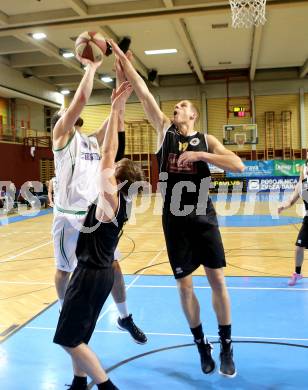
(116, 50)
(120, 75)
(120, 95)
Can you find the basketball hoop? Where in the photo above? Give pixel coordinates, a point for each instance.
(240, 140)
(247, 13)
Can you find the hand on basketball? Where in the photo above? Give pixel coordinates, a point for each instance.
(87, 62)
(120, 95)
(188, 157)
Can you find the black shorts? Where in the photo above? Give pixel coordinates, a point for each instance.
(86, 294)
(192, 241)
(302, 238)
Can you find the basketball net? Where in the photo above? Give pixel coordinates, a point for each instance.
(247, 13)
(240, 142)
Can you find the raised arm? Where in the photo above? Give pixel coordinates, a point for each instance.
(108, 196)
(156, 117)
(120, 78)
(63, 128)
(217, 155)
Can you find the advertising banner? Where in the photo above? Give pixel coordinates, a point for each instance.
(272, 184)
(288, 168)
(255, 169)
(269, 168)
(214, 169)
(228, 185)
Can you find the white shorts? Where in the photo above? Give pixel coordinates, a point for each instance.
(65, 232)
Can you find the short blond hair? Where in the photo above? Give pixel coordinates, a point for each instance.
(196, 110)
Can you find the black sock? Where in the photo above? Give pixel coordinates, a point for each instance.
(198, 333)
(79, 381)
(106, 386)
(298, 269)
(224, 332)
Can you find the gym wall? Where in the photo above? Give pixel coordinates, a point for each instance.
(217, 117)
(277, 104)
(18, 166)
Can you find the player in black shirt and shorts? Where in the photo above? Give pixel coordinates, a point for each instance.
(300, 191)
(189, 219)
(93, 277)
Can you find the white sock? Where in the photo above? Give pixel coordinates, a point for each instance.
(60, 303)
(122, 308)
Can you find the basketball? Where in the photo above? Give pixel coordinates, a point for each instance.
(92, 46)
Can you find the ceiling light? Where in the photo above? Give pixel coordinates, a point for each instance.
(65, 91)
(106, 79)
(39, 35)
(161, 51)
(67, 54)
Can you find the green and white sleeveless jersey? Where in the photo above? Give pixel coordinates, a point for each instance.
(76, 168)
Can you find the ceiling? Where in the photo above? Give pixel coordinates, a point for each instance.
(186, 25)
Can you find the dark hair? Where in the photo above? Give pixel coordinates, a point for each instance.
(128, 170)
(54, 119)
(79, 122)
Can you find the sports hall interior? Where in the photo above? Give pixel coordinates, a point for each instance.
(236, 77)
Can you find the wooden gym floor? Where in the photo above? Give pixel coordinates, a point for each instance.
(256, 244)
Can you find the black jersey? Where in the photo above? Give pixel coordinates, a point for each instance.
(121, 145)
(96, 248)
(173, 146)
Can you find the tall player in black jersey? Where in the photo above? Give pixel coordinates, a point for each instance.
(93, 277)
(300, 191)
(189, 219)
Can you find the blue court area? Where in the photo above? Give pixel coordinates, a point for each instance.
(270, 322)
(24, 216)
(256, 220)
(251, 196)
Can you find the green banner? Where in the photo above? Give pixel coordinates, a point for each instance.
(288, 168)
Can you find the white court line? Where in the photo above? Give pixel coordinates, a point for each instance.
(182, 334)
(131, 284)
(27, 251)
(229, 288)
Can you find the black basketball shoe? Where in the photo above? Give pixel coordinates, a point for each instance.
(207, 362)
(77, 387)
(227, 367)
(128, 324)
